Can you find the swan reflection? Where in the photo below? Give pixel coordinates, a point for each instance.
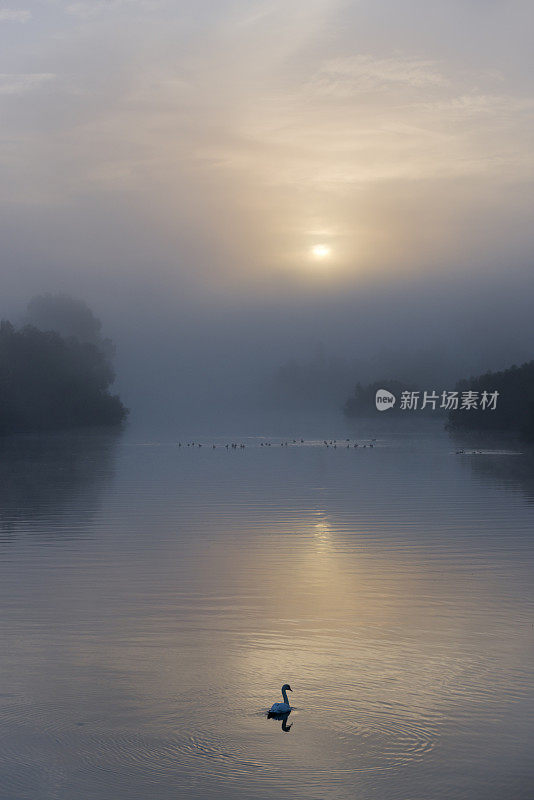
(282, 717)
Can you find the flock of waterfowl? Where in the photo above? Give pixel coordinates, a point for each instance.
(469, 452)
(334, 443)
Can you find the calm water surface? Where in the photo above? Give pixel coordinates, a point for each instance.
(155, 598)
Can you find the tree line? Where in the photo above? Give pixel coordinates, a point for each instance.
(58, 377)
(512, 408)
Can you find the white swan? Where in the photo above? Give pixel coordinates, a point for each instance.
(282, 708)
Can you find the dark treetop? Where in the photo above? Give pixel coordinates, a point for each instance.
(49, 381)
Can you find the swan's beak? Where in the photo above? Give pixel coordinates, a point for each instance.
(290, 689)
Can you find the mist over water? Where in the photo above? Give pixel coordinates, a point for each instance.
(216, 357)
(156, 597)
(264, 204)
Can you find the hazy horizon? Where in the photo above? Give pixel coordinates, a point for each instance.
(175, 164)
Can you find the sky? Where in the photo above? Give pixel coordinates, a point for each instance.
(176, 164)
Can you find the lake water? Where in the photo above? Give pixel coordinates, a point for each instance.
(156, 597)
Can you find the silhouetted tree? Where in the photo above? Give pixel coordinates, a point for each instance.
(514, 409)
(68, 316)
(49, 382)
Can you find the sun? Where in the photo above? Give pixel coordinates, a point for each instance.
(320, 251)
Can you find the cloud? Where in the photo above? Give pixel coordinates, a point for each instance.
(242, 127)
(364, 73)
(365, 121)
(85, 9)
(20, 83)
(14, 15)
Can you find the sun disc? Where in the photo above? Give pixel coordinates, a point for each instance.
(320, 251)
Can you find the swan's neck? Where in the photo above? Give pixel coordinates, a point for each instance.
(284, 695)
